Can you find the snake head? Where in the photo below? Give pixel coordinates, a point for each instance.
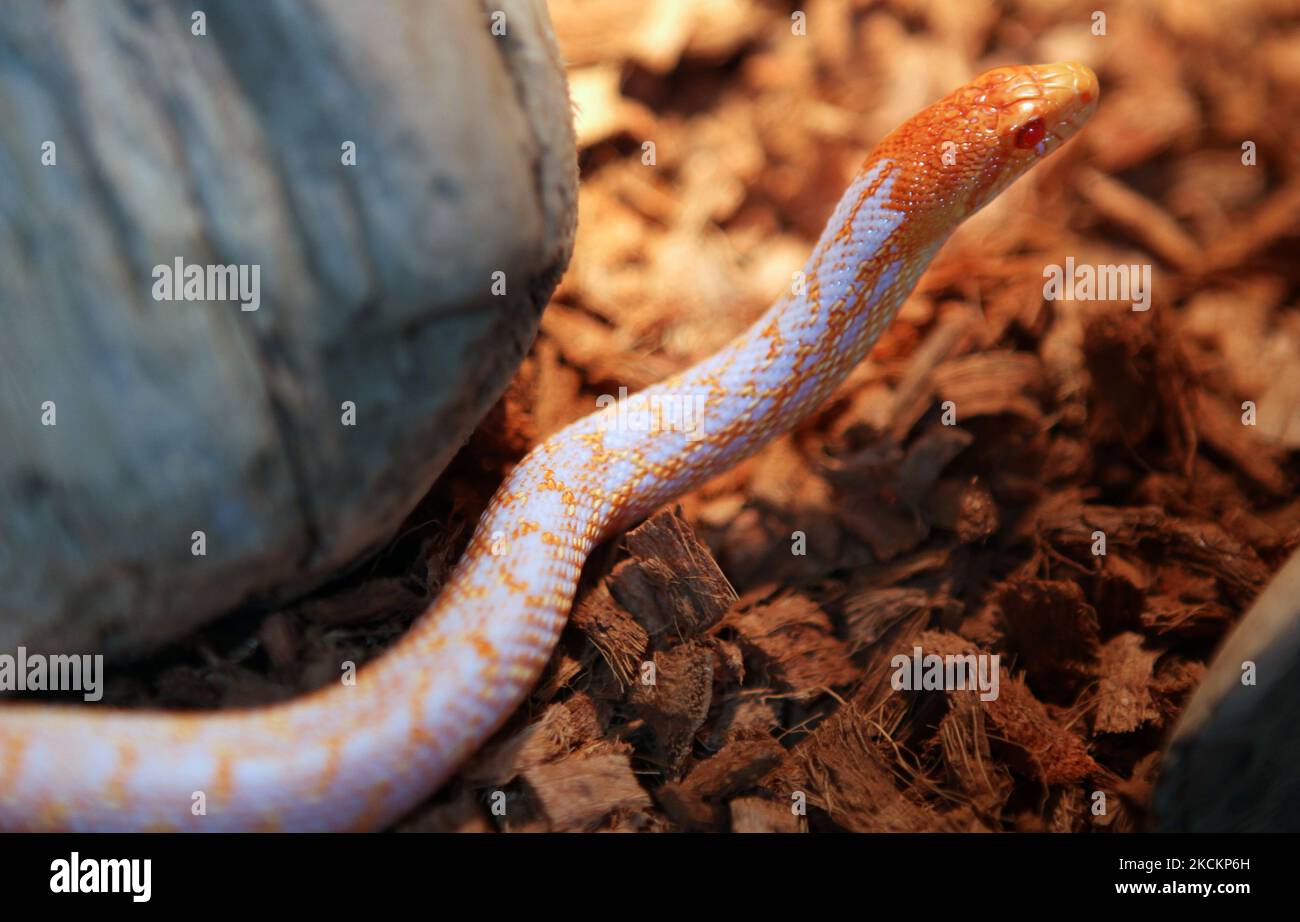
(966, 148)
(1026, 113)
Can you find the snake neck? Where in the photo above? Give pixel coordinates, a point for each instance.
(608, 470)
(670, 438)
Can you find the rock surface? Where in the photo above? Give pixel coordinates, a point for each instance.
(128, 423)
(1230, 765)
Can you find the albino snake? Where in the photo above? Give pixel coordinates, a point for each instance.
(358, 756)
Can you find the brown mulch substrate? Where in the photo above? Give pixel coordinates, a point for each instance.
(768, 606)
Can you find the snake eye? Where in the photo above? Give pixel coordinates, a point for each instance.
(1030, 133)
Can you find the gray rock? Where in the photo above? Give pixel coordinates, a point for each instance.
(173, 417)
(1231, 762)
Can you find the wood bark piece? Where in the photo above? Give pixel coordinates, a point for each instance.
(790, 640)
(581, 791)
(1124, 700)
(1035, 744)
(672, 585)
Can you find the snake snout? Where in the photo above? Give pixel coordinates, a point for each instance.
(1067, 77)
(1069, 93)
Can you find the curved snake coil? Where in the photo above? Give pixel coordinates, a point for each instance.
(358, 756)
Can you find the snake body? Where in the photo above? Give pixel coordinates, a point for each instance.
(360, 755)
